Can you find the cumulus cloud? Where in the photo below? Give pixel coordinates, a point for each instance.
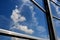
(16, 16)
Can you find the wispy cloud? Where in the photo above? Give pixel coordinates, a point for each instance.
(16, 17)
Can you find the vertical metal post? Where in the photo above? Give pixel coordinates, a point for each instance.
(50, 20)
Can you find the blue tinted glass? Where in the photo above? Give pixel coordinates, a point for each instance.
(24, 17)
(56, 12)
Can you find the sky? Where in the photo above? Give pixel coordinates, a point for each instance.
(22, 16)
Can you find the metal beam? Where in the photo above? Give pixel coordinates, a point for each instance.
(50, 20)
(17, 35)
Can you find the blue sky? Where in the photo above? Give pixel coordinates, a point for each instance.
(24, 17)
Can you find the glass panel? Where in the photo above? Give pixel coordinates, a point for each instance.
(24, 17)
(10, 38)
(56, 12)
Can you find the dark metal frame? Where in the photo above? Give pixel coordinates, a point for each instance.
(49, 18)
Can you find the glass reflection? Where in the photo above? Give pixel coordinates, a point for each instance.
(23, 17)
(56, 12)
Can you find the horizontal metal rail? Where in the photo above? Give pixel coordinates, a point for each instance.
(18, 35)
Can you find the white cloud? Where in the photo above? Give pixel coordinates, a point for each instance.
(16, 16)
